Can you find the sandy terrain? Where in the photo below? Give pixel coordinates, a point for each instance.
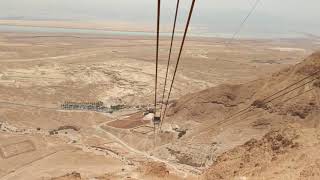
(39, 72)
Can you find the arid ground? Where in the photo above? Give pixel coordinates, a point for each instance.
(40, 140)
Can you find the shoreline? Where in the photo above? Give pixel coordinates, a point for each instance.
(122, 30)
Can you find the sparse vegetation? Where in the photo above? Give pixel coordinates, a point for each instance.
(260, 104)
(317, 84)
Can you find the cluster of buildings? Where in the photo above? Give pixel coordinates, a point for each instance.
(91, 106)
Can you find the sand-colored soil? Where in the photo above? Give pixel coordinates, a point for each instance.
(39, 140)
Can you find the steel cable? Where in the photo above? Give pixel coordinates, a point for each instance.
(178, 59)
(170, 52)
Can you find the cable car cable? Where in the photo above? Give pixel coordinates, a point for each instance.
(178, 59)
(170, 52)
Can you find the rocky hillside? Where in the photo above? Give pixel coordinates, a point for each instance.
(268, 127)
(221, 101)
(291, 153)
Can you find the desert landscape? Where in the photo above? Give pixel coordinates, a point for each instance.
(73, 107)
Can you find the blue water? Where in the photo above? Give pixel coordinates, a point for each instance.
(31, 29)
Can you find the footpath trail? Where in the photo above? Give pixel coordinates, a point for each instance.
(184, 171)
(179, 170)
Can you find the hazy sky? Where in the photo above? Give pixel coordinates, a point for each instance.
(219, 16)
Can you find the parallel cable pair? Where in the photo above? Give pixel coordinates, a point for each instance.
(266, 99)
(163, 114)
(243, 22)
(315, 76)
(269, 101)
(285, 101)
(178, 60)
